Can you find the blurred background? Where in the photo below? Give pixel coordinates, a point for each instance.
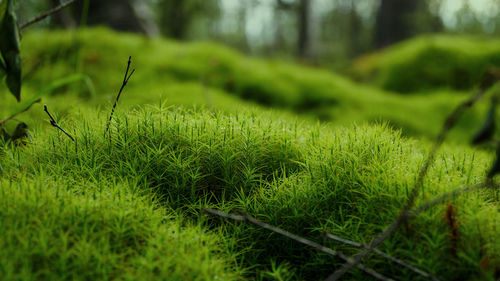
(324, 32)
(406, 63)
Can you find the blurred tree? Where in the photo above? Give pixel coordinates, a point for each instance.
(284, 35)
(302, 8)
(392, 23)
(63, 18)
(304, 16)
(343, 33)
(125, 15)
(467, 21)
(326, 31)
(241, 37)
(397, 20)
(176, 16)
(355, 30)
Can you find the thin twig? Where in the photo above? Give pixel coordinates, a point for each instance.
(54, 123)
(448, 124)
(46, 14)
(124, 83)
(445, 196)
(297, 238)
(19, 112)
(382, 254)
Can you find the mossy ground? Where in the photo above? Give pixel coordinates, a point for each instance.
(127, 205)
(430, 62)
(215, 77)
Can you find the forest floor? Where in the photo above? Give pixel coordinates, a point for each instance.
(202, 126)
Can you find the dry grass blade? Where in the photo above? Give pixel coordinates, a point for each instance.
(297, 238)
(382, 254)
(450, 121)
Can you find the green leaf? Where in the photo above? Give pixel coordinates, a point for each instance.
(9, 47)
(3, 8)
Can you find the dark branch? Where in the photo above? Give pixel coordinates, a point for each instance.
(297, 238)
(124, 83)
(382, 254)
(46, 14)
(54, 123)
(19, 112)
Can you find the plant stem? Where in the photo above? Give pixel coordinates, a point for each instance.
(54, 123)
(124, 83)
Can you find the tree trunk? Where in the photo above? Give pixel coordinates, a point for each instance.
(63, 18)
(173, 21)
(355, 30)
(118, 14)
(393, 22)
(304, 13)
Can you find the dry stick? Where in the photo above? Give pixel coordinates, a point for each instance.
(46, 14)
(297, 238)
(19, 112)
(382, 254)
(448, 124)
(124, 83)
(54, 123)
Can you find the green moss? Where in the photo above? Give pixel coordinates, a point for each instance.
(225, 133)
(303, 178)
(430, 62)
(212, 76)
(53, 228)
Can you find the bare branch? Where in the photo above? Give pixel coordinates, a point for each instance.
(382, 254)
(54, 123)
(124, 83)
(46, 14)
(297, 238)
(19, 112)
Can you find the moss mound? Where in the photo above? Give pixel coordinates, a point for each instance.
(70, 69)
(303, 178)
(53, 228)
(430, 62)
